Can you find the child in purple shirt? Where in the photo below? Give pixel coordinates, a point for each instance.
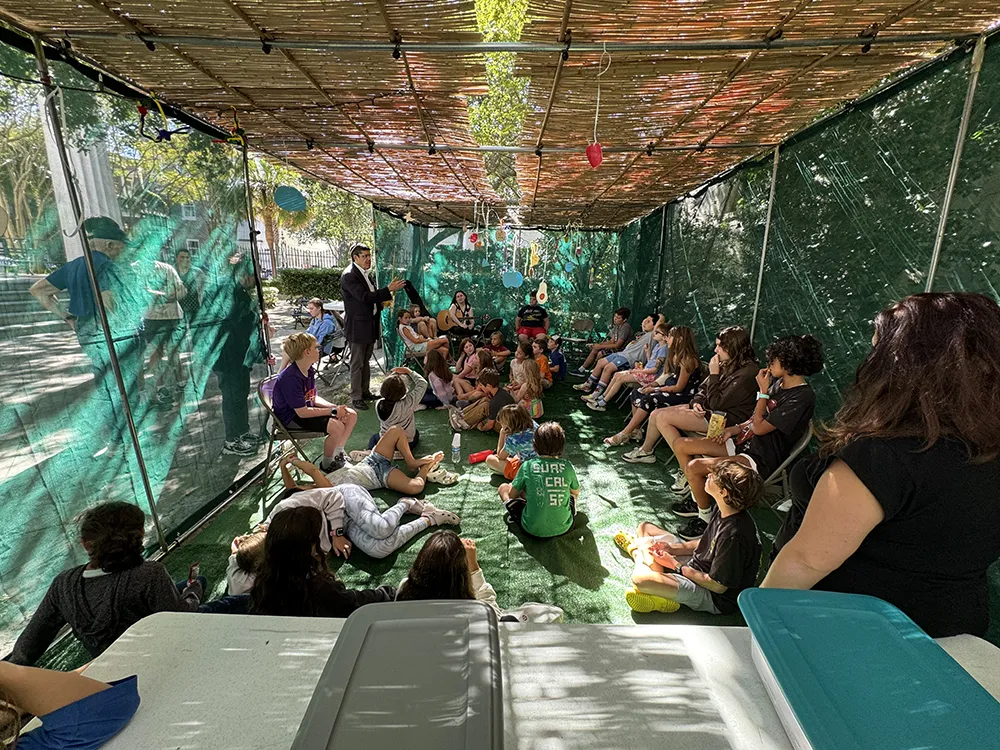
(298, 406)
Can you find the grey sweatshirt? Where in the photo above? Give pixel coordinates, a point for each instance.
(401, 413)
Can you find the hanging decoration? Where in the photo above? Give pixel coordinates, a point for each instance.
(595, 154)
(237, 135)
(543, 293)
(569, 267)
(408, 216)
(289, 199)
(162, 134)
(512, 278)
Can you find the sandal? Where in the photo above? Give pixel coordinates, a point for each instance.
(617, 439)
(640, 602)
(442, 477)
(358, 456)
(625, 542)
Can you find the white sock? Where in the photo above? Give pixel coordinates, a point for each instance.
(705, 514)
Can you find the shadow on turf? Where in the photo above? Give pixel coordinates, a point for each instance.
(573, 555)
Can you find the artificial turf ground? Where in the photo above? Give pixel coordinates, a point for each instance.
(582, 572)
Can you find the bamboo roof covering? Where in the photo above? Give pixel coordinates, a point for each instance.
(373, 95)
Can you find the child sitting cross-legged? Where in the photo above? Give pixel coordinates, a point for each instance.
(467, 388)
(498, 350)
(707, 574)
(528, 392)
(557, 360)
(522, 354)
(540, 353)
(415, 343)
(442, 390)
(516, 444)
(542, 497)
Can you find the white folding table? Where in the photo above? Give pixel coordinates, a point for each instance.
(222, 682)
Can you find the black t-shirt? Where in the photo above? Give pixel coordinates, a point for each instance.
(729, 552)
(532, 316)
(940, 534)
(499, 401)
(789, 410)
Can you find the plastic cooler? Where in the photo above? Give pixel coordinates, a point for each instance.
(847, 671)
(414, 675)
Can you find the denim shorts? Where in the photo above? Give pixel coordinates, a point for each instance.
(619, 360)
(381, 466)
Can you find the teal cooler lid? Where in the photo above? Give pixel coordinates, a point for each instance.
(858, 673)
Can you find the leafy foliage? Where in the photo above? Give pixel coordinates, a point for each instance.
(309, 282)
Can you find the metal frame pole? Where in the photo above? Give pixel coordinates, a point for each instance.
(255, 255)
(659, 273)
(767, 235)
(963, 129)
(78, 215)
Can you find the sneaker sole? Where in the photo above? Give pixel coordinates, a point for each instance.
(640, 460)
(689, 537)
(685, 513)
(640, 602)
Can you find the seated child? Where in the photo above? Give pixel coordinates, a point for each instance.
(466, 388)
(246, 553)
(447, 567)
(414, 342)
(113, 591)
(425, 325)
(529, 391)
(442, 390)
(482, 413)
(707, 574)
(517, 434)
(644, 372)
(296, 403)
(498, 350)
(401, 392)
(540, 353)
(521, 355)
(557, 360)
(75, 711)
(294, 579)
(542, 497)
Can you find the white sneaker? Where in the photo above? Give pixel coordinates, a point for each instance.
(680, 483)
(638, 457)
(439, 517)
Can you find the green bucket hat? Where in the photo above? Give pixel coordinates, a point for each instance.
(103, 228)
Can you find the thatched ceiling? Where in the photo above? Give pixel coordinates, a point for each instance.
(715, 82)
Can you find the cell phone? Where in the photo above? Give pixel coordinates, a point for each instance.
(193, 572)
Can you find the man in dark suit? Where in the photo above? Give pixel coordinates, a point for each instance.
(362, 306)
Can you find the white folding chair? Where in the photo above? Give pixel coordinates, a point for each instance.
(776, 485)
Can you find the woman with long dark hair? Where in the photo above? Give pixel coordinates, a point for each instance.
(460, 313)
(902, 501)
(293, 578)
(729, 388)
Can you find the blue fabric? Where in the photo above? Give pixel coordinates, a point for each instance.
(381, 465)
(320, 328)
(87, 723)
(233, 604)
(659, 352)
(73, 278)
(521, 444)
(558, 359)
(619, 360)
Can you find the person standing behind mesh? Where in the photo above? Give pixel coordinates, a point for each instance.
(362, 304)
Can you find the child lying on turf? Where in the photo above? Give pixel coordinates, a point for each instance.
(516, 444)
(707, 574)
(542, 497)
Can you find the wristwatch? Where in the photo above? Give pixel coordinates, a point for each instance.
(679, 570)
(339, 532)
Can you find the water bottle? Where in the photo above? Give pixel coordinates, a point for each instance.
(456, 448)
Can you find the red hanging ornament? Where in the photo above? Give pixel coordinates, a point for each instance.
(595, 154)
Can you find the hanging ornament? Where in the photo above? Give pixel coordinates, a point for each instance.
(500, 235)
(591, 284)
(595, 154)
(474, 239)
(569, 267)
(408, 217)
(289, 199)
(579, 251)
(543, 293)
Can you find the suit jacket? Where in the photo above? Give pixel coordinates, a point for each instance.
(362, 306)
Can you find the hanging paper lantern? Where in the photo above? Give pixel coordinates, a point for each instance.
(512, 279)
(543, 293)
(474, 238)
(289, 199)
(595, 155)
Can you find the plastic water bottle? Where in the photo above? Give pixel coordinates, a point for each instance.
(456, 448)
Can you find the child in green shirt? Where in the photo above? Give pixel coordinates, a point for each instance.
(542, 497)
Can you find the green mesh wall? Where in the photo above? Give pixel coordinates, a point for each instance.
(970, 257)
(641, 266)
(64, 445)
(578, 267)
(856, 211)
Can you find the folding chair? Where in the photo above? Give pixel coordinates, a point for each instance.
(776, 485)
(584, 328)
(340, 352)
(300, 314)
(491, 326)
(278, 431)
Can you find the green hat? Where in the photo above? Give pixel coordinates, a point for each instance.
(103, 228)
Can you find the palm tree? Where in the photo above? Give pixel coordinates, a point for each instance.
(265, 178)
